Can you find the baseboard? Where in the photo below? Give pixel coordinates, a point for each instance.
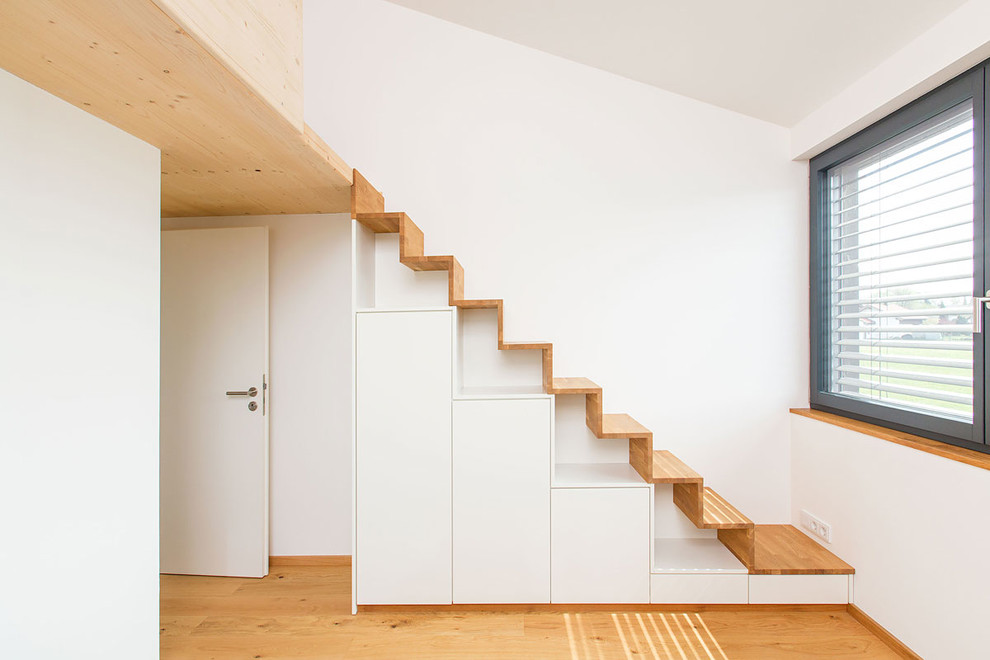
(560, 608)
(895, 644)
(310, 560)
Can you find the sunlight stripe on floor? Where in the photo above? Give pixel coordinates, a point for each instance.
(633, 637)
(711, 636)
(694, 629)
(600, 635)
(663, 643)
(687, 641)
(673, 637)
(570, 637)
(646, 634)
(622, 638)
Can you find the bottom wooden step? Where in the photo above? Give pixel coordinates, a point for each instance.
(785, 550)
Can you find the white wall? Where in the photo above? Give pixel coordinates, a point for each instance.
(911, 523)
(950, 47)
(633, 227)
(914, 527)
(310, 380)
(79, 290)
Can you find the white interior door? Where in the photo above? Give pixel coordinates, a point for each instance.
(214, 441)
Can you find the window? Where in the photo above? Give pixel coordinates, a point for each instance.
(897, 257)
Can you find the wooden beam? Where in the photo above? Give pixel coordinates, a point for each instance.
(225, 150)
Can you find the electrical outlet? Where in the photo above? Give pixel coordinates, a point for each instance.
(818, 527)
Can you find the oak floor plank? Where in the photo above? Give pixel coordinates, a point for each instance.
(303, 613)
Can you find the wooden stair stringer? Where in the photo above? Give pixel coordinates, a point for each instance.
(702, 505)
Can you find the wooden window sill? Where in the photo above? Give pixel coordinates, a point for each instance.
(967, 456)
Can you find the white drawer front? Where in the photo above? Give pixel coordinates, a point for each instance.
(799, 589)
(699, 588)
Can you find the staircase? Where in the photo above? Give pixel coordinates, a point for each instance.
(763, 549)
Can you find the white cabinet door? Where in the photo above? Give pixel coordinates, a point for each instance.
(502, 501)
(403, 455)
(600, 545)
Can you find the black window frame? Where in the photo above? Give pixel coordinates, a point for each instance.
(969, 85)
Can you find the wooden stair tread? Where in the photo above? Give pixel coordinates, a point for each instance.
(487, 303)
(434, 262)
(719, 514)
(525, 345)
(621, 425)
(575, 386)
(381, 223)
(785, 550)
(668, 469)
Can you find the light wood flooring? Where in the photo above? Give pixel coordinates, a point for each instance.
(304, 612)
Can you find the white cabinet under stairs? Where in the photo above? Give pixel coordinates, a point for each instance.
(473, 485)
(501, 508)
(601, 545)
(403, 503)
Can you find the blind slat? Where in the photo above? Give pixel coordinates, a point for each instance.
(902, 253)
(881, 271)
(938, 311)
(932, 163)
(935, 345)
(924, 280)
(880, 300)
(881, 198)
(938, 379)
(906, 329)
(856, 221)
(923, 216)
(920, 392)
(949, 363)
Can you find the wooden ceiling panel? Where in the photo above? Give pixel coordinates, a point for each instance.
(225, 150)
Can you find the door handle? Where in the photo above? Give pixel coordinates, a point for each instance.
(253, 391)
(978, 303)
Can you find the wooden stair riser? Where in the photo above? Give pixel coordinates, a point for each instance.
(688, 498)
(641, 456)
(548, 369)
(364, 197)
(411, 239)
(593, 413)
(741, 543)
